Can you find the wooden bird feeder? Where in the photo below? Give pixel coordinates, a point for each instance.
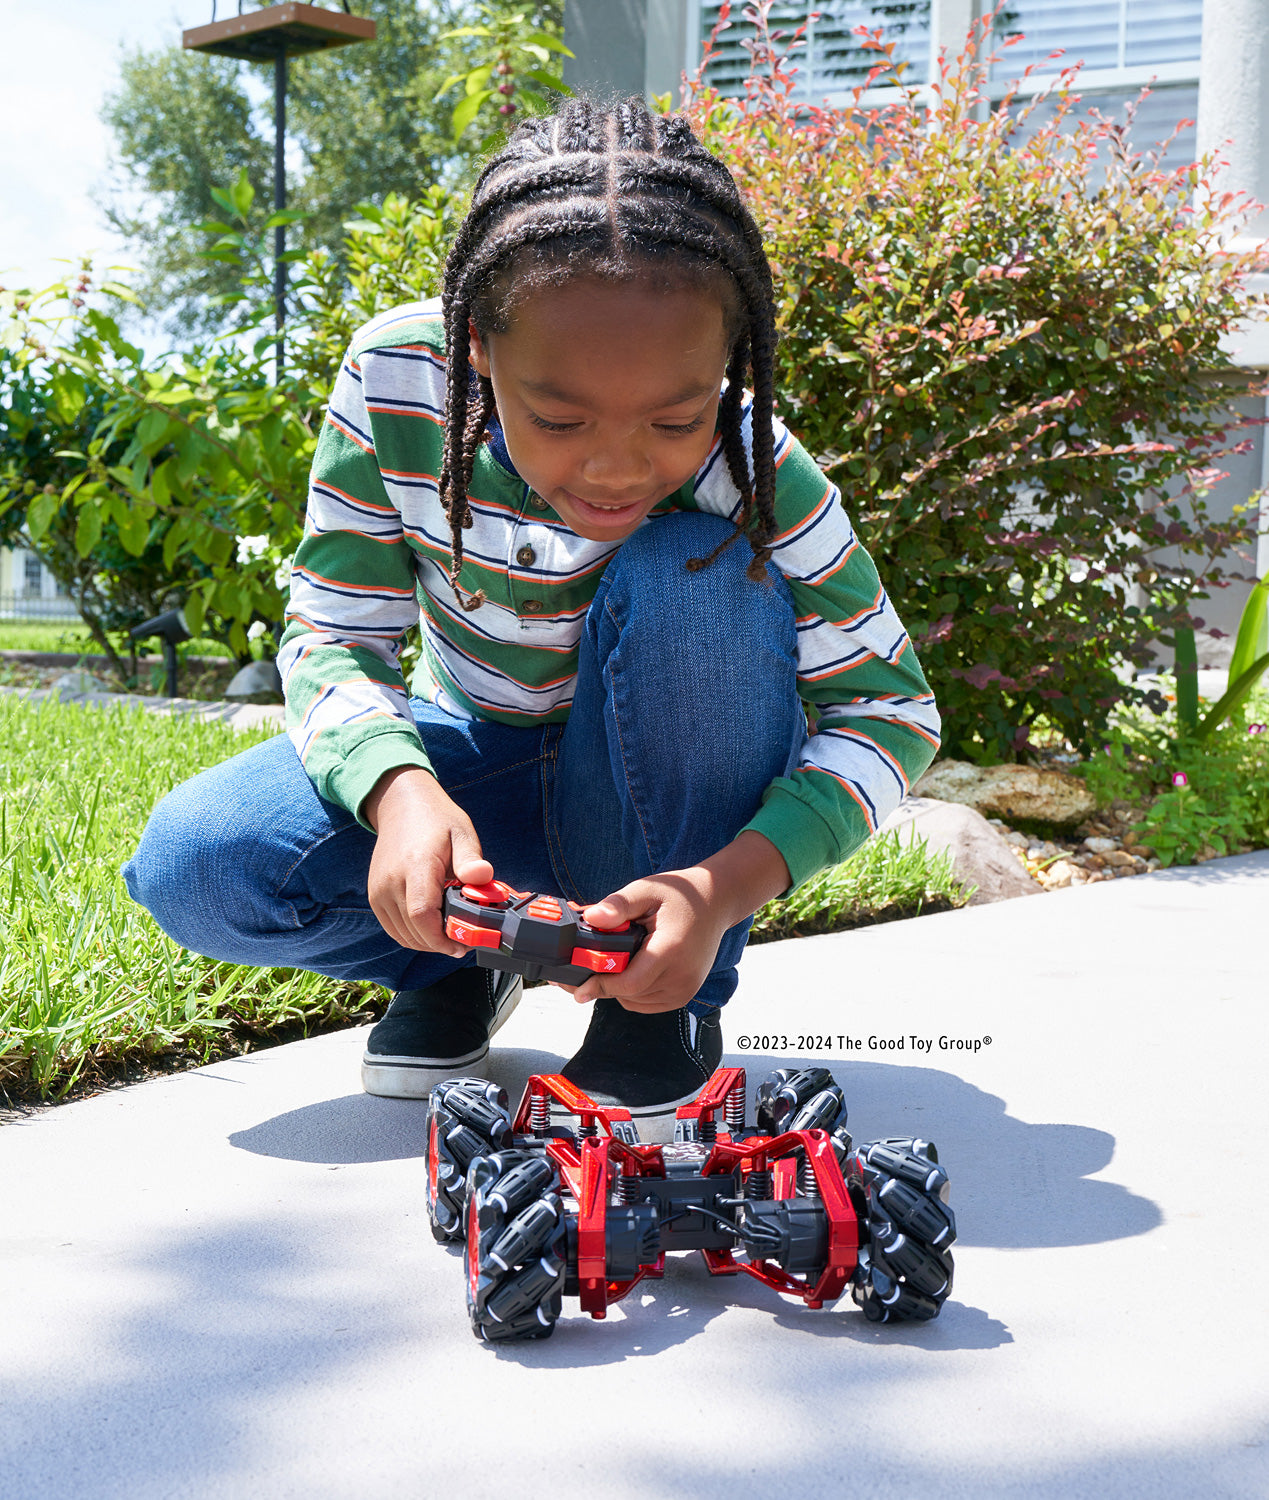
(279, 30)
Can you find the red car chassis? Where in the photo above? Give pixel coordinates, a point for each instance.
(588, 1210)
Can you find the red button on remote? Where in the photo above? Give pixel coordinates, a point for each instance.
(600, 963)
(493, 894)
(469, 933)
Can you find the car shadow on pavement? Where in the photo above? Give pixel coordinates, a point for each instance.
(1015, 1184)
(360, 1128)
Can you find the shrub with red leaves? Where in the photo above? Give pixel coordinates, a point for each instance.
(1003, 344)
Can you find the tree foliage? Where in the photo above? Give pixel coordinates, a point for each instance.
(519, 73)
(1013, 368)
(364, 121)
(197, 456)
(47, 418)
(144, 483)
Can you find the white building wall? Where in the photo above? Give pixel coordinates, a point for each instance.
(1233, 121)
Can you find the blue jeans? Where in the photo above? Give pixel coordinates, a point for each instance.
(686, 708)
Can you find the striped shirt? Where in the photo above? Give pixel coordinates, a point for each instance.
(374, 560)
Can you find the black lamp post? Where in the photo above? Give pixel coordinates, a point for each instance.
(273, 35)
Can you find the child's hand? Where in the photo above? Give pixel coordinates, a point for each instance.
(424, 839)
(686, 913)
(682, 942)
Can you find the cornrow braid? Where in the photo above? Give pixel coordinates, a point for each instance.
(619, 194)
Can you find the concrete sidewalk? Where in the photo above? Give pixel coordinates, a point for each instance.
(222, 1285)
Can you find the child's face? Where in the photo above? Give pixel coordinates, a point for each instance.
(607, 395)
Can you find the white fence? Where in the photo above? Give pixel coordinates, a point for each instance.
(36, 607)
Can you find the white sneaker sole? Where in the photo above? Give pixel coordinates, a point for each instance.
(415, 1077)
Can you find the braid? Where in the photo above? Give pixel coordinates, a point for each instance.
(461, 436)
(616, 193)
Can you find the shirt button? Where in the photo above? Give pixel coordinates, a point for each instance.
(526, 556)
(537, 502)
(533, 606)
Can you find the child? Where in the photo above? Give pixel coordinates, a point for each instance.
(628, 586)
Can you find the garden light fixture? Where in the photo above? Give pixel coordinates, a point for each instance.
(273, 35)
(172, 629)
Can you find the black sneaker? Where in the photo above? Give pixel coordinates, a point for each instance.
(429, 1033)
(650, 1064)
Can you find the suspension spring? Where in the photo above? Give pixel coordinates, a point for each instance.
(587, 1130)
(628, 1188)
(709, 1131)
(758, 1184)
(807, 1185)
(734, 1109)
(540, 1114)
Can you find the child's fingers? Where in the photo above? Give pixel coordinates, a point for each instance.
(469, 864)
(612, 911)
(649, 1005)
(643, 973)
(648, 996)
(420, 915)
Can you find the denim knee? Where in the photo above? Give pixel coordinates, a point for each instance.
(187, 850)
(669, 543)
(710, 625)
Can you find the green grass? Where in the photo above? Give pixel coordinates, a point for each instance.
(45, 635)
(89, 986)
(92, 990)
(68, 637)
(887, 879)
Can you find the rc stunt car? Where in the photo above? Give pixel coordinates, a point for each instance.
(564, 1200)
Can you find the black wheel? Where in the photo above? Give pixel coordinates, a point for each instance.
(905, 1265)
(516, 1246)
(799, 1099)
(466, 1118)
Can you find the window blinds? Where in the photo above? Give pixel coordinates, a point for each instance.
(833, 59)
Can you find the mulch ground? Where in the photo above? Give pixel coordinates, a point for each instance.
(201, 677)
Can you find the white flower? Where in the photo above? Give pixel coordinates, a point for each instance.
(251, 547)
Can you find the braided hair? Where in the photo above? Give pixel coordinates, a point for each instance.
(619, 194)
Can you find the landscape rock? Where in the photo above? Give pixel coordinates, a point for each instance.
(260, 682)
(1061, 873)
(72, 685)
(1027, 793)
(980, 856)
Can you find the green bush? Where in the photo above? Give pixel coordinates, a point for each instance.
(1012, 367)
(183, 477)
(47, 421)
(394, 253)
(144, 483)
(1203, 794)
